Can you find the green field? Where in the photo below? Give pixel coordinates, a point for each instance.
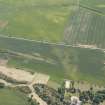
(47, 20)
(52, 21)
(59, 62)
(95, 4)
(12, 97)
(35, 19)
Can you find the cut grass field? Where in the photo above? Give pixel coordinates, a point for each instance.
(12, 97)
(35, 19)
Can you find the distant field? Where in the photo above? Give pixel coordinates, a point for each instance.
(12, 97)
(57, 61)
(47, 20)
(96, 4)
(86, 26)
(35, 19)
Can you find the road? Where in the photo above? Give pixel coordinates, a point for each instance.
(38, 78)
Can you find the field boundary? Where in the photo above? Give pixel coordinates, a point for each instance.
(92, 47)
(92, 9)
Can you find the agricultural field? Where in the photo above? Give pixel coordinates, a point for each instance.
(12, 97)
(44, 20)
(35, 19)
(98, 5)
(39, 36)
(86, 26)
(60, 62)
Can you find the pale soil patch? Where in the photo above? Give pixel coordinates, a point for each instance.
(87, 46)
(40, 78)
(102, 103)
(6, 83)
(3, 23)
(34, 57)
(3, 62)
(16, 74)
(21, 75)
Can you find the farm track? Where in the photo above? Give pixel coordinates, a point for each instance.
(34, 79)
(92, 47)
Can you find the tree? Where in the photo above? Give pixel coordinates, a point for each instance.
(2, 85)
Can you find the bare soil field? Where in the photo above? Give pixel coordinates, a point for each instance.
(3, 62)
(3, 24)
(18, 75)
(21, 75)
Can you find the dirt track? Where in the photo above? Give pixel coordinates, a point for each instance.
(21, 75)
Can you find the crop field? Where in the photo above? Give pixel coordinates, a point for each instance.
(35, 19)
(44, 20)
(59, 62)
(86, 26)
(12, 97)
(98, 5)
(30, 31)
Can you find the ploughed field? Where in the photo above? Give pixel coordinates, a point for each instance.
(98, 5)
(55, 20)
(86, 26)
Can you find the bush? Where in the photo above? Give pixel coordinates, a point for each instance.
(24, 89)
(2, 85)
